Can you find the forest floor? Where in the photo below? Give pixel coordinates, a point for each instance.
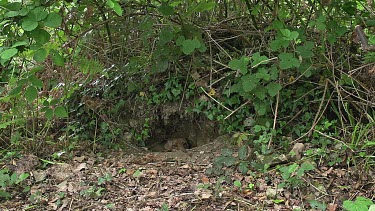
(176, 181)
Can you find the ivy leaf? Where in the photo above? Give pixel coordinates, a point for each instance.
(242, 152)
(240, 64)
(243, 167)
(40, 55)
(249, 82)
(166, 9)
(31, 93)
(273, 89)
(260, 107)
(263, 74)
(260, 92)
(53, 20)
(258, 59)
(9, 53)
(28, 24)
(35, 81)
(306, 50)
(37, 14)
(278, 43)
(188, 46)
(60, 112)
(287, 60)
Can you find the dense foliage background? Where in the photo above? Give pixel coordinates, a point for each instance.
(270, 73)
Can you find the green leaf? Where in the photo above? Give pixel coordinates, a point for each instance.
(188, 46)
(14, 6)
(117, 8)
(35, 81)
(19, 43)
(40, 55)
(361, 203)
(249, 82)
(263, 74)
(242, 152)
(137, 173)
(37, 14)
(226, 152)
(287, 60)
(204, 6)
(9, 53)
(237, 183)
(166, 9)
(240, 64)
(41, 36)
(273, 89)
(243, 167)
(49, 113)
(260, 92)
(31, 93)
(53, 20)
(11, 14)
(258, 59)
(57, 58)
(278, 43)
(306, 50)
(29, 25)
(260, 107)
(22, 177)
(15, 91)
(60, 112)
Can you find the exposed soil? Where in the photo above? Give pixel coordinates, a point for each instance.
(175, 180)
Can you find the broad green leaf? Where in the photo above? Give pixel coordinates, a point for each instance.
(28, 24)
(242, 152)
(35, 81)
(263, 74)
(31, 93)
(243, 167)
(11, 14)
(117, 8)
(19, 43)
(40, 55)
(188, 46)
(9, 53)
(166, 9)
(110, 3)
(285, 32)
(249, 82)
(41, 36)
(260, 92)
(60, 112)
(49, 113)
(287, 60)
(15, 91)
(240, 64)
(273, 89)
(22, 177)
(306, 50)
(14, 6)
(204, 6)
(53, 20)
(258, 59)
(279, 43)
(24, 11)
(260, 107)
(57, 58)
(37, 14)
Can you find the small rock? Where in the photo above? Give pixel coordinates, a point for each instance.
(271, 193)
(297, 151)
